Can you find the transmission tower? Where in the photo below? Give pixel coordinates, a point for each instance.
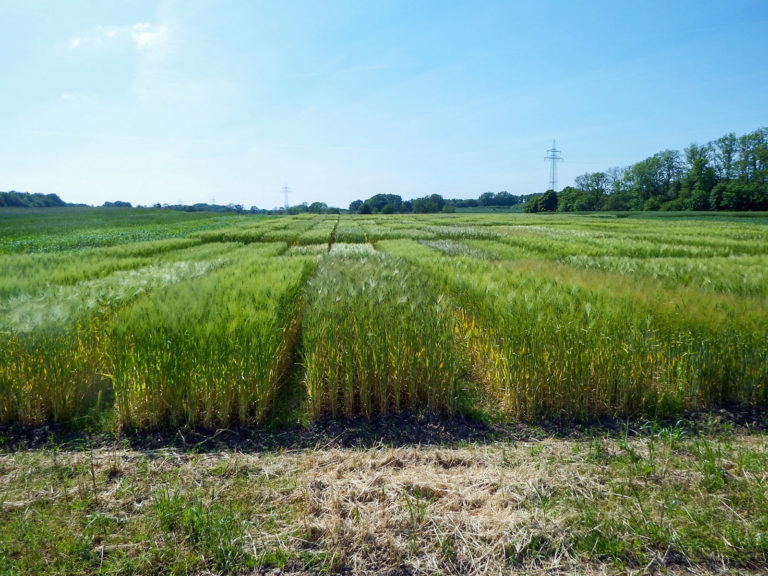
(286, 191)
(553, 155)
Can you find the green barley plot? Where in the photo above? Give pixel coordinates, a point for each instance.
(376, 340)
(52, 344)
(211, 351)
(54, 306)
(32, 273)
(291, 228)
(56, 229)
(321, 233)
(743, 275)
(392, 227)
(349, 230)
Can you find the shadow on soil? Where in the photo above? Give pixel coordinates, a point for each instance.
(405, 429)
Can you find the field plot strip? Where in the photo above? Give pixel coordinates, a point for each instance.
(113, 282)
(349, 231)
(741, 275)
(52, 230)
(210, 351)
(32, 273)
(291, 229)
(376, 339)
(546, 342)
(321, 233)
(52, 358)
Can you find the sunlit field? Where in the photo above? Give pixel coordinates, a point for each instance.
(439, 394)
(146, 319)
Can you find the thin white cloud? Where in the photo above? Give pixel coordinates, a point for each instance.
(141, 35)
(108, 31)
(146, 35)
(76, 97)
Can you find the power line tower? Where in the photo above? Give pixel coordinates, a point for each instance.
(286, 191)
(553, 155)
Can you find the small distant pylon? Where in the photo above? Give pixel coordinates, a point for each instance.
(286, 191)
(553, 155)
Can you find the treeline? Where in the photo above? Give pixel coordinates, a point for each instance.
(730, 173)
(394, 204)
(15, 199)
(27, 200)
(314, 208)
(203, 207)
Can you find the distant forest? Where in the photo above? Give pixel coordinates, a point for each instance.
(730, 173)
(393, 204)
(15, 199)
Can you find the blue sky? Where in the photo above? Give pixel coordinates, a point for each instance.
(227, 101)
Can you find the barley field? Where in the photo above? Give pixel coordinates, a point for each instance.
(143, 319)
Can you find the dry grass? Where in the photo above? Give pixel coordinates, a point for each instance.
(435, 510)
(503, 508)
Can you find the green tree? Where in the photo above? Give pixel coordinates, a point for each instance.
(318, 207)
(566, 199)
(428, 204)
(594, 187)
(546, 202)
(725, 154)
(487, 199)
(355, 205)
